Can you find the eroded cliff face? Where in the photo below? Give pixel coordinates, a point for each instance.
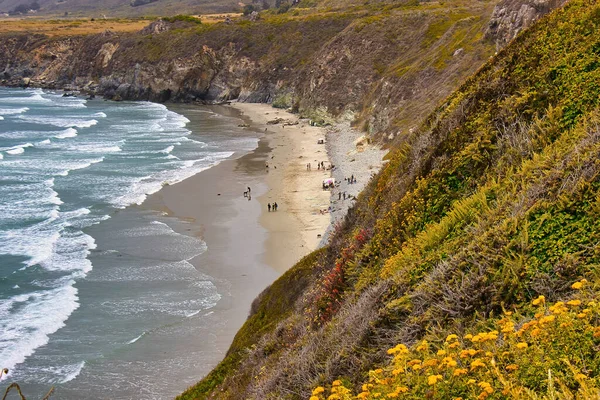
(384, 68)
(512, 16)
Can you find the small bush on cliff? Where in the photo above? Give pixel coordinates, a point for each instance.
(183, 18)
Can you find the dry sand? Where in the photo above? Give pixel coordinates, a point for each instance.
(296, 228)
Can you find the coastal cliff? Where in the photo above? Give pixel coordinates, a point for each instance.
(383, 66)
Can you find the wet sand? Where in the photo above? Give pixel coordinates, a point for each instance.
(249, 247)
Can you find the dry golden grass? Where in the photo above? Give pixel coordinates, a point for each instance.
(214, 18)
(70, 27)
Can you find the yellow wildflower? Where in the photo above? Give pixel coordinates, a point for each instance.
(522, 345)
(451, 337)
(536, 332)
(467, 353)
(318, 389)
(362, 395)
(512, 367)
(468, 336)
(477, 363)
(471, 381)
(539, 300)
(378, 371)
(401, 389)
(574, 303)
(547, 318)
(430, 363)
(392, 395)
(314, 398)
(433, 379)
(577, 285)
(441, 352)
(397, 371)
(459, 371)
(402, 349)
(453, 345)
(423, 346)
(336, 383)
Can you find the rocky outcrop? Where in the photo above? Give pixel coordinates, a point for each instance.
(512, 16)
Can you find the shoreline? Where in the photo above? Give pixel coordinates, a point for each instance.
(248, 246)
(297, 227)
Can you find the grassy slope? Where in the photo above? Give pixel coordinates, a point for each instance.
(491, 203)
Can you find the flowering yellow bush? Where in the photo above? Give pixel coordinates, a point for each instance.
(553, 355)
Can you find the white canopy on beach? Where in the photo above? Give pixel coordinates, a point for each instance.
(328, 181)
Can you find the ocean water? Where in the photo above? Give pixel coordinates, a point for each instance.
(84, 277)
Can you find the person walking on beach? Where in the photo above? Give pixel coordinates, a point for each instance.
(275, 206)
(249, 190)
(339, 195)
(269, 206)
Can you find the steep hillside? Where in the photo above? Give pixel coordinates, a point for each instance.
(436, 284)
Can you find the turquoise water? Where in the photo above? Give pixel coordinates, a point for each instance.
(83, 277)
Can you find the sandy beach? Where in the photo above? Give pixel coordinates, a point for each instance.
(248, 245)
(296, 228)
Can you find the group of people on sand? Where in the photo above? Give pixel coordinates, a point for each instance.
(344, 194)
(350, 180)
(320, 166)
(272, 207)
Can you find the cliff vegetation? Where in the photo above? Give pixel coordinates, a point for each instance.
(468, 269)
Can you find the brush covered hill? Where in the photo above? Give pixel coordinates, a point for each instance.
(468, 268)
(385, 66)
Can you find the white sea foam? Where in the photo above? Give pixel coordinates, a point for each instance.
(27, 321)
(67, 133)
(69, 372)
(35, 98)
(168, 150)
(61, 122)
(20, 149)
(143, 187)
(99, 115)
(132, 341)
(12, 111)
(1, 118)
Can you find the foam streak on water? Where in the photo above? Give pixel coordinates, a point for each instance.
(66, 165)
